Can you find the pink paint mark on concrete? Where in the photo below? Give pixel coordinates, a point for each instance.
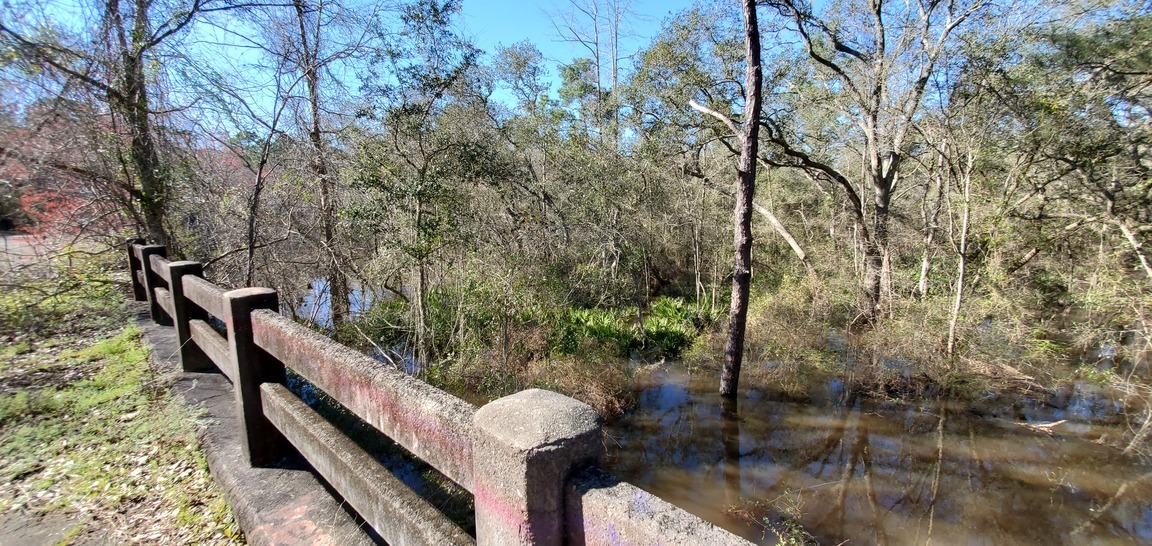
(492, 509)
(292, 525)
(397, 405)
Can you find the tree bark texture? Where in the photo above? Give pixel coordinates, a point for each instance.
(337, 281)
(961, 249)
(131, 102)
(742, 216)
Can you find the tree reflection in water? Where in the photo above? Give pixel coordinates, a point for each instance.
(874, 473)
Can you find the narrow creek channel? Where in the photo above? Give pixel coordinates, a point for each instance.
(870, 473)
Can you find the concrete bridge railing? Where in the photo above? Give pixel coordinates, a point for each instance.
(530, 459)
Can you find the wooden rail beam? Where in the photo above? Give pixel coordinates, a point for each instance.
(214, 345)
(192, 357)
(395, 511)
(432, 424)
(151, 280)
(134, 269)
(206, 295)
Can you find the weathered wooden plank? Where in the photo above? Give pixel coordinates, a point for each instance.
(205, 294)
(432, 424)
(134, 267)
(164, 298)
(397, 513)
(159, 264)
(214, 345)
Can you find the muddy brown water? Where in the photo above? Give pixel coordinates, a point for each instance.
(857, 472)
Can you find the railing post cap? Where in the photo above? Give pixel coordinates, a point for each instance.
(250, 292)
(537, 418)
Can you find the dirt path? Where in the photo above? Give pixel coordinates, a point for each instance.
(19, 251)
(20, 528)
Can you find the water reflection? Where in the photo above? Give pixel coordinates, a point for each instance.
(730, 438)
(875, 474)
(316, 306)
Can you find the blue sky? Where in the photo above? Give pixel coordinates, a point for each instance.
(493, 22)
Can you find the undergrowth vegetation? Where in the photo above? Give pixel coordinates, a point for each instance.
(90, 432)
(1018, 341)
(491, 350)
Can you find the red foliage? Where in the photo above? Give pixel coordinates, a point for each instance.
(49, 208)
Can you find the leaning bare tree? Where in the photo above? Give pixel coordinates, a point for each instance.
(870, 67)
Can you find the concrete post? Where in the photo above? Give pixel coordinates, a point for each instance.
(192, 358)
(262, 443)
(151, 281)
(525, 447)
(138, 293)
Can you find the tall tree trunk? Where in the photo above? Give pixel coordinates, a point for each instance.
(253, 213)
(337, 280)
(423, 336)
(697, 258)
(254, 209)
(132, 103)
(961, 248)
(614, 39)
(930, 214)
(742, 216)
(875, 253)
(145, 156)
(958, 299)
(423, 353)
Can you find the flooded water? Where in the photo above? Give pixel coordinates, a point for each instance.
(865, 473)
(859, 472)
(316, 307)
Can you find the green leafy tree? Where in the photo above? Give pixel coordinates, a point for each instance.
(416, 153)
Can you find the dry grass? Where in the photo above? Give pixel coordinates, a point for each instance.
(600, 380)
